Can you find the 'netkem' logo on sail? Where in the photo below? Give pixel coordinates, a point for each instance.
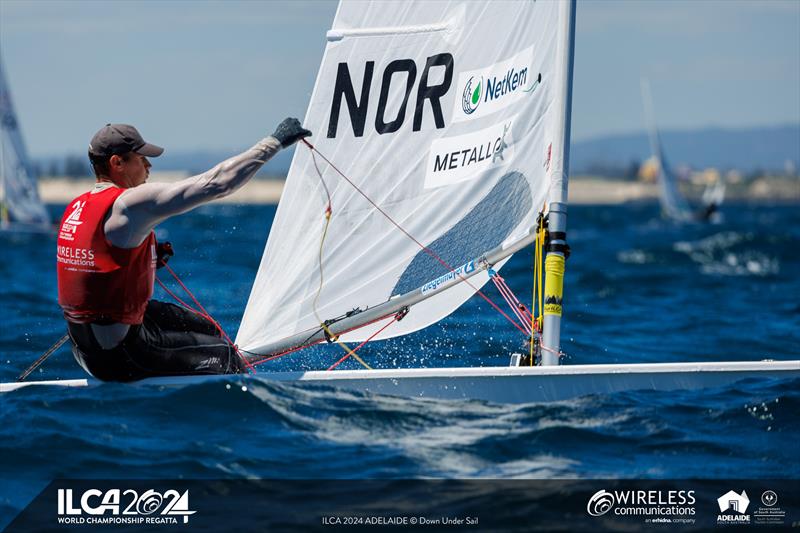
(496, 86)
(471, 98)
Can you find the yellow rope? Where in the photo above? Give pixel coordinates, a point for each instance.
(538, 283)
(346, 348)
(329, 333)
(540, 250)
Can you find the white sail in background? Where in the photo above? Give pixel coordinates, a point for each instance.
(450, 116)
(673, 204)
(19, 197)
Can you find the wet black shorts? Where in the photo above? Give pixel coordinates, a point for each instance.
(170, 341)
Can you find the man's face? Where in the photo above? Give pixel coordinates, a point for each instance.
(134, 171)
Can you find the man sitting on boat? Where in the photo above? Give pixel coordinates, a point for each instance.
(107, 257)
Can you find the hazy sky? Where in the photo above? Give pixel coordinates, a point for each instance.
(216, 75)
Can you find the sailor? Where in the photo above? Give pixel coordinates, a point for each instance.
(107, 256)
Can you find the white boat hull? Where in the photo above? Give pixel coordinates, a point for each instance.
(502, 384)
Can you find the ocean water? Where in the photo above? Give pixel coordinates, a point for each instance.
(637, 289)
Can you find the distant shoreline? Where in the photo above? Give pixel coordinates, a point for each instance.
(583, 190)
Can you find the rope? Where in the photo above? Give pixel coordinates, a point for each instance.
(538, 272)
(505, 291)
(43, 357)
(337, 363)
(202, 312)
(328, 333)
(424, 248)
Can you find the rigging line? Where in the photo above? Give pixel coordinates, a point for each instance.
(337, 363)
(257, 362)
(509, 298)
(346, 347)
(181, 302)
(542, 238)
(424, 248)
(537, 281)
(217, 324)
(307, 344)
(42, 358)
(520, 309)
(328, 213)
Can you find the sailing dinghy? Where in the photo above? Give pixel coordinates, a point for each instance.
(674, 205)
(448, 124)
(21, 210)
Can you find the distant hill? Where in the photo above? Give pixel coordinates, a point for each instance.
(750, 149)
(747, 150)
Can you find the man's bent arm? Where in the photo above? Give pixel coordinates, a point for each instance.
(139, 209)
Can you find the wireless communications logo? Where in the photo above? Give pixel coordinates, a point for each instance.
(600, 503)
(117, 506)
(648, 506)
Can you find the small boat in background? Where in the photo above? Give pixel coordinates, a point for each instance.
(674, 205)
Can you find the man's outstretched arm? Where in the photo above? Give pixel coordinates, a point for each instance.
(139, 209)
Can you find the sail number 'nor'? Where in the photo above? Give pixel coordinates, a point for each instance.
(357, 108)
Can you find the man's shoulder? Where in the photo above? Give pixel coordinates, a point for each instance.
(141, 194)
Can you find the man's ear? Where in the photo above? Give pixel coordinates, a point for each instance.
(115, 160)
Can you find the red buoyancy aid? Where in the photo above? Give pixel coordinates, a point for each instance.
(98, 281)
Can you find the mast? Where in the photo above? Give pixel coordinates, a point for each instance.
(557, 250)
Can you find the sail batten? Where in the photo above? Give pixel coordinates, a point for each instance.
(453, 132)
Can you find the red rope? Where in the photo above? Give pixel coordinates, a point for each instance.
(424, 248)
(287, 352)
(310, 344)
(511, 299)
(203, 313)
(354, 350)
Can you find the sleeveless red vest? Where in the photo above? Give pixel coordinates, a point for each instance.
(96, 280)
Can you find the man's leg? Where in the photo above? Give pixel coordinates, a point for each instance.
(170, 317)
(161, 352)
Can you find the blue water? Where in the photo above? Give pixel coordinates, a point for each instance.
(637, 290)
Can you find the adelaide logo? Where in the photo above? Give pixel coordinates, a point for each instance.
(471, 98)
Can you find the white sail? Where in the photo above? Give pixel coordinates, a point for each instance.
(450, 117)
(673, 204)
(19, 197)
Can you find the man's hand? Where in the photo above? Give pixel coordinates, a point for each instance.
(290, 131)
(163, 252)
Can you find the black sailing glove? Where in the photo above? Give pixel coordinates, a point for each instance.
(163, 252)
(290, 131)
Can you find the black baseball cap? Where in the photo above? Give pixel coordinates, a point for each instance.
(117, 139)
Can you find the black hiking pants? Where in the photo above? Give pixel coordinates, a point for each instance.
(170, 341)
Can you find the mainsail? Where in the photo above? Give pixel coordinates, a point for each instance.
(19, 197)
(451, 121)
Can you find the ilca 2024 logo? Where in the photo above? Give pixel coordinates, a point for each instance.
(116, 506)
